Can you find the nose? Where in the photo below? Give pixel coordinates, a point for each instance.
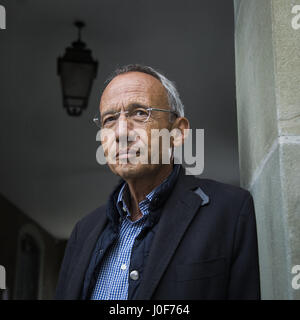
(121, 128)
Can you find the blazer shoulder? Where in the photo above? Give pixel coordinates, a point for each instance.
(224, 194)
(227, 202)
(213, 186)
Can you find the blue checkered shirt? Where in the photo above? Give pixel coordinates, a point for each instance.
(112, 281)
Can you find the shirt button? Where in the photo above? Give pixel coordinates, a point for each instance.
(134, 275)
(123, 266)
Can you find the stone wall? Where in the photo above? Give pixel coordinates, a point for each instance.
(268, 109)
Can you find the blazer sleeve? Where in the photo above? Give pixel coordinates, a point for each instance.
(64, 269)
(244, 280)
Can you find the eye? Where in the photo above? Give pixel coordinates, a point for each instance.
(140, 113)
(109, 119)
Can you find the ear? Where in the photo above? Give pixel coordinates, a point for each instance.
(180, 127)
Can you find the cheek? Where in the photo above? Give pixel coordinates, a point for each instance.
(144, 138)
(159, 138)
(109, 145)
(108, 139)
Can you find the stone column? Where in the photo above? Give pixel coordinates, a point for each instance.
(268, 110)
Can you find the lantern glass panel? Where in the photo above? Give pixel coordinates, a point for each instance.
(77, 79)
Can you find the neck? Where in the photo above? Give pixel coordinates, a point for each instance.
(139, 188)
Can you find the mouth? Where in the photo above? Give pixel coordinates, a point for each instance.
(124, 154)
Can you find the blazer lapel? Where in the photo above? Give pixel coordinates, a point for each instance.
(175, 218)
(83, 259)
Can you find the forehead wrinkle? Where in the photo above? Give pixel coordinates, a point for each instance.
(123, 102)
(113, 109)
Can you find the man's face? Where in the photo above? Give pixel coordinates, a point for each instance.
(123, 93)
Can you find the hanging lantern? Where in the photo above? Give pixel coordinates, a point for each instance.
(77, 70)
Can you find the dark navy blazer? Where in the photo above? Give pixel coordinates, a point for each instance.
(205, 246)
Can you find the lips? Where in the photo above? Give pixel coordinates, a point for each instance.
(127, 153)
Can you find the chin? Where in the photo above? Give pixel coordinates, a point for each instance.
(129, 170)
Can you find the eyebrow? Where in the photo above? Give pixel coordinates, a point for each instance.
(130, 106)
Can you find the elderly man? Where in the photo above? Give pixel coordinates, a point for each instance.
(162, 234)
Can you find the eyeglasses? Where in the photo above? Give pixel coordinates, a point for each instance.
(137, 115)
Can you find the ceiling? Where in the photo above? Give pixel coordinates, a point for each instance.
(48, 159)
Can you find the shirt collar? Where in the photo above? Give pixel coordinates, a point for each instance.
(152, 199)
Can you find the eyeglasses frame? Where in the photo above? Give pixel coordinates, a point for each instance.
(98, 123)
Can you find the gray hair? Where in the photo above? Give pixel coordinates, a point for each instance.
(172, 93)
